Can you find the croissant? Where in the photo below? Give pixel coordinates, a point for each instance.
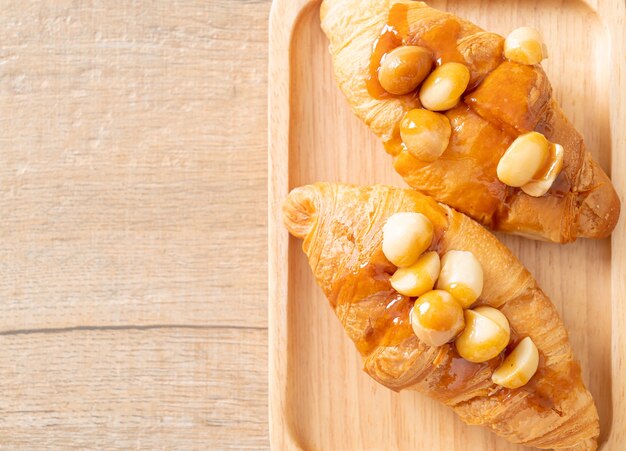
(504, 99)
(341, 228)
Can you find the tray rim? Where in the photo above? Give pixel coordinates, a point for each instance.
(284, 16)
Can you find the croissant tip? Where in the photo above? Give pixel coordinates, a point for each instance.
(299, 210)
(600, 208)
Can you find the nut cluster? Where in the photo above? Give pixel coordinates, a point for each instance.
(531, 163)
(425, 134)
(445, 289)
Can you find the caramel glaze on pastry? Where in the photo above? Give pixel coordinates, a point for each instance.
(342, 228)
(503, 100)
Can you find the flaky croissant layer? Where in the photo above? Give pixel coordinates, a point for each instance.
(341, 229)
(504, 100)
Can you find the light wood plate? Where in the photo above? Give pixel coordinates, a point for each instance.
(319, 397)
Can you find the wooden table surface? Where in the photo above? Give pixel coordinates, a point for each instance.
(133, 260)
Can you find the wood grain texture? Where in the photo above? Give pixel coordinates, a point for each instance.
(319, 397)
(134, 389)
(132, 190)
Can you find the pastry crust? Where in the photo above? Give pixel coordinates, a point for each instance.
(341, 227)
(505, 99)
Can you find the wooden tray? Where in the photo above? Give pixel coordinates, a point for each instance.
(319, 397)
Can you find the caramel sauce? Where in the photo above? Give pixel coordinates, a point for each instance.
(502, 99)
(459, 372)
(365, 279)
(395, 145)
(392, 36)
(561, 185)
(472, 156)
(441, 40)
(436, 243)
(548, 387)
(397, 19)
(389, 323)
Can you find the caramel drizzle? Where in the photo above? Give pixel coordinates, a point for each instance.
(441, 39)
(392, 35)
(388, 323)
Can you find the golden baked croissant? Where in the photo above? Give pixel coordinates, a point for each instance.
(503, 100)
(342, 226)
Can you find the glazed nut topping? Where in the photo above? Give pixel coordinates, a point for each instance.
(519, 366)
(461, 276)
(418, 278)
(523, 159)
(425, 134)
(486, 334)
(525, 46)
(436, 318)
(538, 188)
(404, 68)
(405, 237)
(444, 86)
